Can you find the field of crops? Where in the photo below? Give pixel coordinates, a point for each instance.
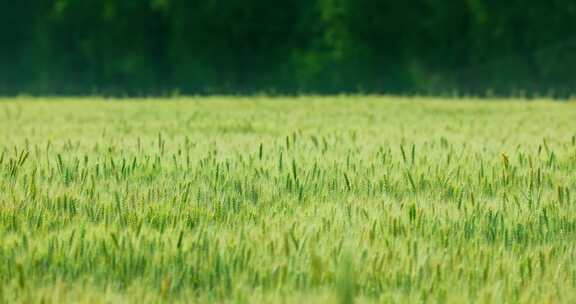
(287, 200)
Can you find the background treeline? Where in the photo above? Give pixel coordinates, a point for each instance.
(143, 47)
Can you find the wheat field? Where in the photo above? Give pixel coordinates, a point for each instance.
(352, 199)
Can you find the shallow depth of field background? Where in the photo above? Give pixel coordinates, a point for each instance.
(165, 47)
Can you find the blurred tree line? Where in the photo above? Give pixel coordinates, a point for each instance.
(133, 47)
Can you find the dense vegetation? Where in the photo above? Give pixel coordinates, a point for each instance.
(319, 46)
(288, 200)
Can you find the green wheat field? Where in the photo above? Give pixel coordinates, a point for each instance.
(287, 200)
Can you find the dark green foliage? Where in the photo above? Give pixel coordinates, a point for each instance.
(319, 46)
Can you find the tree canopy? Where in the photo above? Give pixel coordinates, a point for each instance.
(153, 47)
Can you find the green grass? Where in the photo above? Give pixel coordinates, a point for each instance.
(307, 200)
